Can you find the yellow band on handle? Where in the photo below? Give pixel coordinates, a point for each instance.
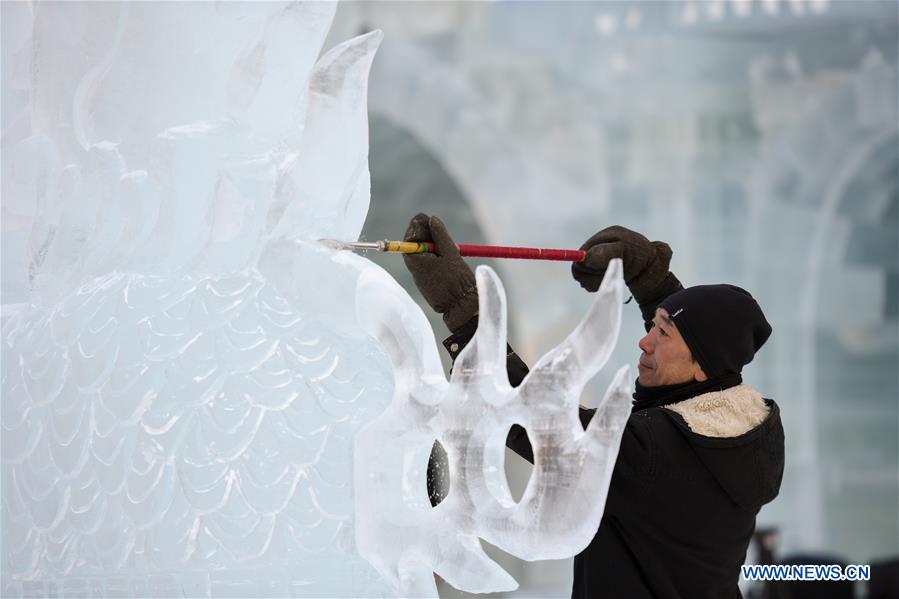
(407, 247)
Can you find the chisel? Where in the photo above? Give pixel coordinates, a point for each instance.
(465, 249)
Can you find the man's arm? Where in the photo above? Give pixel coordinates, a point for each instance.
(648, 306)
(645, 264)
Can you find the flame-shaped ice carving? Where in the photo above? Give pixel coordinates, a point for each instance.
(559, 513)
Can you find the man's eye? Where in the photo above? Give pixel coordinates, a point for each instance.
(662, 332)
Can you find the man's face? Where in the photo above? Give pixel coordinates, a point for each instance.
(666, 359)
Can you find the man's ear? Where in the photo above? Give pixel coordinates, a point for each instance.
(700, 375)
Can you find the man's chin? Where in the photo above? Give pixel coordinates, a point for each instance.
(645, 381)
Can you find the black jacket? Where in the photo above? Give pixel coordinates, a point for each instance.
(681, 506)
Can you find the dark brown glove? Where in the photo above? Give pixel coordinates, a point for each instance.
(444, 279)
(645, 262)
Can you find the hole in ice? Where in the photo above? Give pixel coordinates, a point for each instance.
(438, 474)
(507, 479)
(517, 469)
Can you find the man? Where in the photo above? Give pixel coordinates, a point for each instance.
(701, 452)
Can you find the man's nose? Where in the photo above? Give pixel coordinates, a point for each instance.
(646, 343)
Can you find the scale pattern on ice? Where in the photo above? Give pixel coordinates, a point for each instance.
(153, 424)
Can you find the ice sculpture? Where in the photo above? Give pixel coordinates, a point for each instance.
(182, 390)
(398, 531)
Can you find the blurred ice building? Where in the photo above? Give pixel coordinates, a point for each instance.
(759, 138)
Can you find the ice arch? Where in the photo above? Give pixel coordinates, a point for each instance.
(826, 190)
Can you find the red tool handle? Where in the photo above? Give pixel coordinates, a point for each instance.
(499, 251)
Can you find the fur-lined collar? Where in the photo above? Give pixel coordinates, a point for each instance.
(728, 413)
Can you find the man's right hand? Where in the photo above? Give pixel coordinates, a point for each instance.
(444, 279)
(645, 262)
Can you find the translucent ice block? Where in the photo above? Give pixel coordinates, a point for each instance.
(559, 513)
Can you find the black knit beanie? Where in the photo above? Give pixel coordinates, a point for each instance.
(722, 325)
